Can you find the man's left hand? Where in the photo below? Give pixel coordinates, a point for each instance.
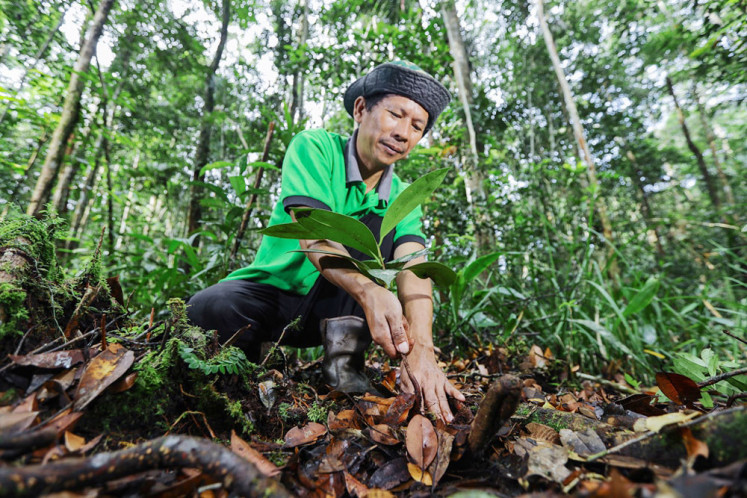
(419, 370)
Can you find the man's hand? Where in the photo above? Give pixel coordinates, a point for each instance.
(389, 327)
(420, 371)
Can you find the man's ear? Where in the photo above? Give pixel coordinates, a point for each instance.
(359, 107)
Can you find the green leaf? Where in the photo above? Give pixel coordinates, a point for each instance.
(605, 334)
(385, 276)
(414, 195)
(215, 165)
(442, 275)
(288, 231)
(238, 183)
(367, 265)
(643, 298)
(479, 265)
(340, 228)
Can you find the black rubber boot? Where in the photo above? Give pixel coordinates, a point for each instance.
(345, 340)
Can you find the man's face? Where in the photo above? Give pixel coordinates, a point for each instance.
(389, 131)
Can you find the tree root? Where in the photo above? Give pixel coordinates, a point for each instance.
(499, 404)
(169, 452)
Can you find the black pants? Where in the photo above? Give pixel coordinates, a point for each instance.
(230, 305)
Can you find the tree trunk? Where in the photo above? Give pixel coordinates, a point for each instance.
(37, 58)
(473, 180)
(645, 207)
(76, 222)
(128, 205)
(250, 203)
(707, 179)
(578, 133)
(70, 112)
(203, 146)
(298, 75)
(712, 144)
(29, 166)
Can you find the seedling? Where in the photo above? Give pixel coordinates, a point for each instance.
(322, 224)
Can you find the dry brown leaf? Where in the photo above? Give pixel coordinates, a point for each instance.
(679, 388)
(694, 447)
(549, 462)
(354, 486)
(540, 432)
(443, 455)
(16, 422)
(383, 434)
(64, 421)
(58, 359)
(303, 435)
(346, 419)
(655, 424)
(244, 450)
(123, 384)
(101, 372)
(398, 411)
(421, 441)
(379, 493)
(73, 442)
(90, 444)
(536, 357)
(420, 475)
(29, 404)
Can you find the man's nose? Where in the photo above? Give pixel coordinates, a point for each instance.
(400, 130)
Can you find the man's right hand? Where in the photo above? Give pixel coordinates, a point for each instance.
(387, 323)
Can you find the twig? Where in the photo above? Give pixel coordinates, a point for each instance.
(236, 335)
(20, 343)
(608, 383)
(735, 397)
(294, 323)
(650, 434)
(713, 380)
(734, 336)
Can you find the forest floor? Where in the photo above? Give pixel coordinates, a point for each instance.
(94, 403)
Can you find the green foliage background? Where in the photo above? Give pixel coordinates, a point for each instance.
(544, 276)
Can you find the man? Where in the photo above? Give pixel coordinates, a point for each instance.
(394, 106)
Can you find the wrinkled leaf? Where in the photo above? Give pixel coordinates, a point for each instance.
(58, 359)
(655, 424)
(101, 372)
(582, 443)
(548, 462)
(244, 450)
(383, 434)
(679, 388)
(421, 441)
(303, 435)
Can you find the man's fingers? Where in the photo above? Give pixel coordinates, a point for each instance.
(443, 402)
(399, 337)
(454, 392)
(381, 336)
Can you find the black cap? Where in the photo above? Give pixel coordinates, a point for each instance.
(401, 78)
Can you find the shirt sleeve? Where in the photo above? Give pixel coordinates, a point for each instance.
(307, 172)
(410, 229)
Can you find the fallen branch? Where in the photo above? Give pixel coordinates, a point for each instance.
(650, 434)
(718, 378)
(240, 476)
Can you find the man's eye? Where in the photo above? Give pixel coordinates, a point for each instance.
(394, 114)
(417, 127)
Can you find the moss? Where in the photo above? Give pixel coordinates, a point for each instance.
(13, 311)
(36, 239)
(317, 413)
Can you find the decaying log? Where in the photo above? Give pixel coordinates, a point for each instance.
(13, 265)
(499, 404)
(722, 433)
(240, 476)
(18, 443)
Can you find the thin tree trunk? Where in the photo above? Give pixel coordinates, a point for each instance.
(109, 200)
(645, 207)
(250, 203)
(128, 205)
(298, 76)
(29, 166)
(579, 135)
(37, 58)
(707, 179)
(203, 146)
(77, 222)
(473, 180)
(70, 112)
(712, 144)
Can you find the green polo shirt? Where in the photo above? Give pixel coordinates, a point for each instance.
(320, 170)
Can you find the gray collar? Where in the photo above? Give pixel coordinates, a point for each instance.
(353, 172)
